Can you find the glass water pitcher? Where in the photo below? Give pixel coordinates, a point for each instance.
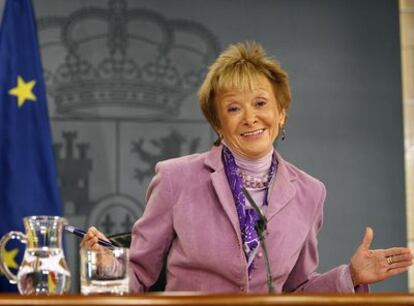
(43, 269)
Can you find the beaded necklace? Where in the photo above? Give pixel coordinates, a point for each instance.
(254, 182)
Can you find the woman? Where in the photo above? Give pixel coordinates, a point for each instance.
(199, 219)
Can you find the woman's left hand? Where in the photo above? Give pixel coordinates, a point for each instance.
(371, 266)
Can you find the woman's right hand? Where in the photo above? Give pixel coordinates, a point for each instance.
(105, 259)
(91, 238)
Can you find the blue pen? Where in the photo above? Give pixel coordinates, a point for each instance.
(80, 233)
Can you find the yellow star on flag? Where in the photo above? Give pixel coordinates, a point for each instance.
(10, 258)
(23, 91)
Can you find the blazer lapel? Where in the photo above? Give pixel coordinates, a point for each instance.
(222, 188)
(282, 189)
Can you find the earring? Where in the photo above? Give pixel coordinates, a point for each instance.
(283, 133)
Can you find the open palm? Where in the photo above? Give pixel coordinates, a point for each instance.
(371, 266)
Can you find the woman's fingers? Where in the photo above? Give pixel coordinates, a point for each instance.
(398, 261)
(88, 241)
(397, 257)
(93, 232)
(367, 239)
(402, 264)
(393, 272)
(401, 258)
(396, 251)
(91, 239)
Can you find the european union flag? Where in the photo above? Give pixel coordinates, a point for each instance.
(28, 180)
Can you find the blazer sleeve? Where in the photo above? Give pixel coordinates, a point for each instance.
(304, 277)
(153, 233)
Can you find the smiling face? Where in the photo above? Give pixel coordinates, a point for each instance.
(250, 119)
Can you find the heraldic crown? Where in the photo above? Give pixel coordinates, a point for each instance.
(123, 61)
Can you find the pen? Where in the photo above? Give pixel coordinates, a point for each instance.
(80, 233)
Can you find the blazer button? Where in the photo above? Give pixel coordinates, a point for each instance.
(260, 255)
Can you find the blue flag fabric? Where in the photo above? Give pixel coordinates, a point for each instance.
(28, 180)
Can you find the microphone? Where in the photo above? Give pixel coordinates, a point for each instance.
(260, 227)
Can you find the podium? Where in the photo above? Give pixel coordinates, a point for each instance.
(184, 299)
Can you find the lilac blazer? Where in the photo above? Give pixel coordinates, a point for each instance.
(191, 220)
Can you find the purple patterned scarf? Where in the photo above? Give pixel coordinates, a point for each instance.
(247, 217)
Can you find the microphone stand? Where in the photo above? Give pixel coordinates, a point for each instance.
(261, 229)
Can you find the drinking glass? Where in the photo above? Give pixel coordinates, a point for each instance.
(104, 271)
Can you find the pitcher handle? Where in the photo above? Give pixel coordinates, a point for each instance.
(3, 267)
